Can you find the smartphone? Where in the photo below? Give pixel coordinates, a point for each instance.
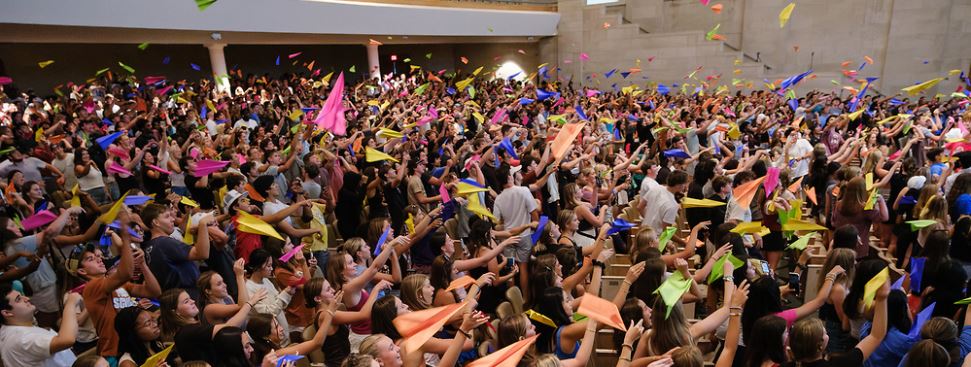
(510, 263)
(761, 267)
(794, 282)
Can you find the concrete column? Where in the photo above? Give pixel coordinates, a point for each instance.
(373, 62)
(218, 60)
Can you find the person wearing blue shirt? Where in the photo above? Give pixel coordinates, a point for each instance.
(898, 341)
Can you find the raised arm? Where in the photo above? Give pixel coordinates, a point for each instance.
(288, 211)
(689, 247)
(734, 327)
(201, 249)
(355, 285)
(716, 318)
(701, 275)
(586, 346)
(342, 318)
(811, 306)
(464, 265)
(470, 321)
(217, 311)
(318, 340)
(91, 233)
(239, 319)
(634, 332)
(633, 273)
(68, 331)
(126, 266)
(869, 344)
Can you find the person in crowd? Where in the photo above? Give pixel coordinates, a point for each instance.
(320, 216)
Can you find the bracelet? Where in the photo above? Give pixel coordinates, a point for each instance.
(331, 313)
(250, 304)
(729, 278)
(735, 308)
(831, 277)
(466, 333)
(600, 264)
(628, 346)
(627, 283)
(735, 314)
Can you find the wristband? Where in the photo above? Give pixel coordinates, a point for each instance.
(729, 278)
(466, 333)
(600, 264)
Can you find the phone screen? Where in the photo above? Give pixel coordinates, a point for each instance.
(765, 267)
(794, 282)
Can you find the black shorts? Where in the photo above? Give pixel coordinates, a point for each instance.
(773, 242)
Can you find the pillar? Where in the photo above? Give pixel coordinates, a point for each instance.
(373, 62)
(218, 60)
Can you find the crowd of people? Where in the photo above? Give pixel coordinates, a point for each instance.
(444, 220)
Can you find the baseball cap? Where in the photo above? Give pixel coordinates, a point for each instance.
(514, 169)
(916, 182)
(77, 255)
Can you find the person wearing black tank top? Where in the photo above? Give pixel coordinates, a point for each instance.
(808, 339)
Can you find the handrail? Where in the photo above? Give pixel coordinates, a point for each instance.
(747, 56)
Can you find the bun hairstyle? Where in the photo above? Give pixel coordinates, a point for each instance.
(256, 260)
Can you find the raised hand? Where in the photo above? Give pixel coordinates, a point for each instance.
(741, 294)
(634, 332)
(682, 266)
(337, 301)
(382, 285)
(605, 255)
(257, 296)
(485, 279)
(721, 251)
(239, 267)
(835, 272)
(634, 272)
(472, 320)
(509, 241)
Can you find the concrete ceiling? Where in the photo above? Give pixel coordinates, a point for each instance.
(310, 17)
(31, 33)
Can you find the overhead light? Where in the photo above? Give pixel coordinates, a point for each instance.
(216, 36)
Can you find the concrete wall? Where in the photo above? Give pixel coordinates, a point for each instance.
(76, 62)
(898, 34)
(665, 57)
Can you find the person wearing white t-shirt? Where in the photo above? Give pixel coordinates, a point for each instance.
(662, 206)
(23, 344)
(246, 120)
(798, 151)
(515, 207)
(651, 168)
